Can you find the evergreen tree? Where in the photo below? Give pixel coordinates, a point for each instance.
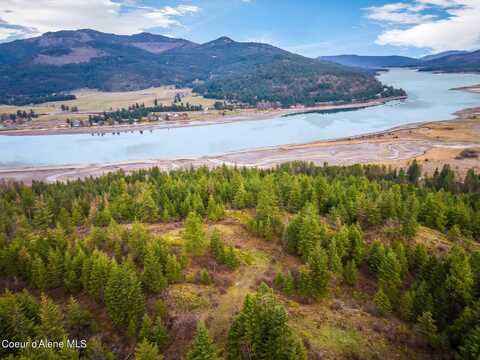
(350, 273)
(51, 320)
(215, 211)
(427, 328)
(146, 210)
(389, 275)
(39, 273)
(202, 347)
(470, 350)
(267, 222)
(194, 235)
(155, 332)
(261, 331)
(382, 302)
(205, 277)
(153, 277)
(414, 172)
(42, 215)
(375, 256)
(315, 277)
(217, 247)
(405, 306)
(123, 295)
(147, 351)
(173, 270)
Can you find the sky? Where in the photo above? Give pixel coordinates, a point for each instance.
(308, 27)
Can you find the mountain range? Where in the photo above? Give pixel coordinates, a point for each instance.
(448, 61)
(58, 62)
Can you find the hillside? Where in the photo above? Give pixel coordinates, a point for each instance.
(448, 61)
(469, 62)
(371, 62)
(63, 61)
(334, 263)
(442, 54)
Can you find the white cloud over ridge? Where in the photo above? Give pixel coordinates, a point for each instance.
(26, 18)
(437, 25)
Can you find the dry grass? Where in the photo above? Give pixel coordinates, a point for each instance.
(89, 100)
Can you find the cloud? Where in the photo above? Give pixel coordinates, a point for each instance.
(437, 25)
(401, 13)
(25, 18)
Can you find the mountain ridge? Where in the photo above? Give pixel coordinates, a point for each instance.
(447, 61)
(247, 72)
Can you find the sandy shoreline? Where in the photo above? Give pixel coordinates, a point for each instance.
(247, 115)
(432, 143)
(471, 88)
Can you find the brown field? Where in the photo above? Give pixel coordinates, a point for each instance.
(89, 100)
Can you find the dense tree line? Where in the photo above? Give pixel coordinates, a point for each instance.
(137, 112)
(32, 99)
(73, 236)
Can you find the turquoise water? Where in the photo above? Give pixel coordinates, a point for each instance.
(430, 98)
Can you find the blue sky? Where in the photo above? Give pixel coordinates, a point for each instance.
(308, 27)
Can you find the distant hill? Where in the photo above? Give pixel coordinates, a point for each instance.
(448, 61)
(62, 61)
(371, 62)
(459, 62)
(443, 54)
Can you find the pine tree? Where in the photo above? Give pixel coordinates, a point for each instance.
(427, 329)
(405, 306)
(382, 302)
(194, 235)
(375, 256)
(39, 273)
(454, 233)
(217, 247)
(153, 277)
(42, 215)
(51, 320)
(356, 246)
(215, 211)
(147, 351)
(350, 273)
(123, 295)
(146, 210)
(78, 317)
(414, 172)
(470, 349)
(335, 262)
(315, 277)
(389, 275)
(261, 331)
(204, 277)
(267, 222)
(240, 200)
(99, 272)
(173, 270)
(231, 258)
(288, 284)
(202, 347)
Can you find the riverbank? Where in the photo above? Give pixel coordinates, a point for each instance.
(433, 144)
(199, 119)
(473, 88)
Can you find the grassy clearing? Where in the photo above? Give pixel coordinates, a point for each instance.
(89, 100)
(342, 326)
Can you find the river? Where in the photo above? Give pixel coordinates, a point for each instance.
(430, 98)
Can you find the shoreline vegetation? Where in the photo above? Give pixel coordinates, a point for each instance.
(204, 118)
(432, 144)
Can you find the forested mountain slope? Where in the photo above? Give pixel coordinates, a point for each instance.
(248, 72)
